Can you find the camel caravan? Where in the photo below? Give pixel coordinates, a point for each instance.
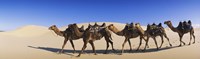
(132, 30)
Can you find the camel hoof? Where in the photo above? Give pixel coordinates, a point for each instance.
(113, 49)
(193, 42)
(137, 50)
(171, 45)
(180, 45)
(95, 54)
(78, 56)
(159, 47)
(189, 44)
(183, 43)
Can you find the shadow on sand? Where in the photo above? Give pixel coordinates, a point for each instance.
(101, 51)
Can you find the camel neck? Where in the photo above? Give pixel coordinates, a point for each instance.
(116, 31)
(172, 27)
(58, 32)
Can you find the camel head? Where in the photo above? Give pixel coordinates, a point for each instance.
(111, 26)
(53, 27)
(167, 22)
(56, 30)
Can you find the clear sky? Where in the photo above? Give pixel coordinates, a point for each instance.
(17, 13)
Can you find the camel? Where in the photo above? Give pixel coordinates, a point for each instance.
(128, 33)
(91, 34)
(182, 29)
(151, 32)
(67, 35)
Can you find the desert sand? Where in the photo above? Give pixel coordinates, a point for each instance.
(37, 42)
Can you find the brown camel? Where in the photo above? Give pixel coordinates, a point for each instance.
(91, 34)
(128, 33)
(182, 29)
(158, 30)
(67, 35)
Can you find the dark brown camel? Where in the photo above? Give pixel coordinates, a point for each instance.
(181, 29)
(67, 35)
(128, 32)
(91, 34)
(153, 31)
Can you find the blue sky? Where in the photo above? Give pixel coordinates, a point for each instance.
(17, 13)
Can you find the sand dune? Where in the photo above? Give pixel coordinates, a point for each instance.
(37, 42)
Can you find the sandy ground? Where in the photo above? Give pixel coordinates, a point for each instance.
(37, 42)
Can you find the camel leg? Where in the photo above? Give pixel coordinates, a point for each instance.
(123, 45)
(181, 36)
(193, 38)
(139, 43)
(84, 46)
(111, 43)
(167, 39)
(146, 43)
(107, 43)
(93, 47)
(155, 42)
(64, 43)
(130, 44)
(190, 38)
(162, 41)
(192, 34)
(72, 45)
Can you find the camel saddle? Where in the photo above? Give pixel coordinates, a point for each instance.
(155, 28)
(96, 32)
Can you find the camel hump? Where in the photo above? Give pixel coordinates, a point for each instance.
(187, 25)
(103, 25)
(82, 28)
(96, 24)
(153, 24)
(189, 22)
(160, 24)
(131, 26)
(180, 25)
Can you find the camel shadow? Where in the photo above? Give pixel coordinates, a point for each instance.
(101, 51)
